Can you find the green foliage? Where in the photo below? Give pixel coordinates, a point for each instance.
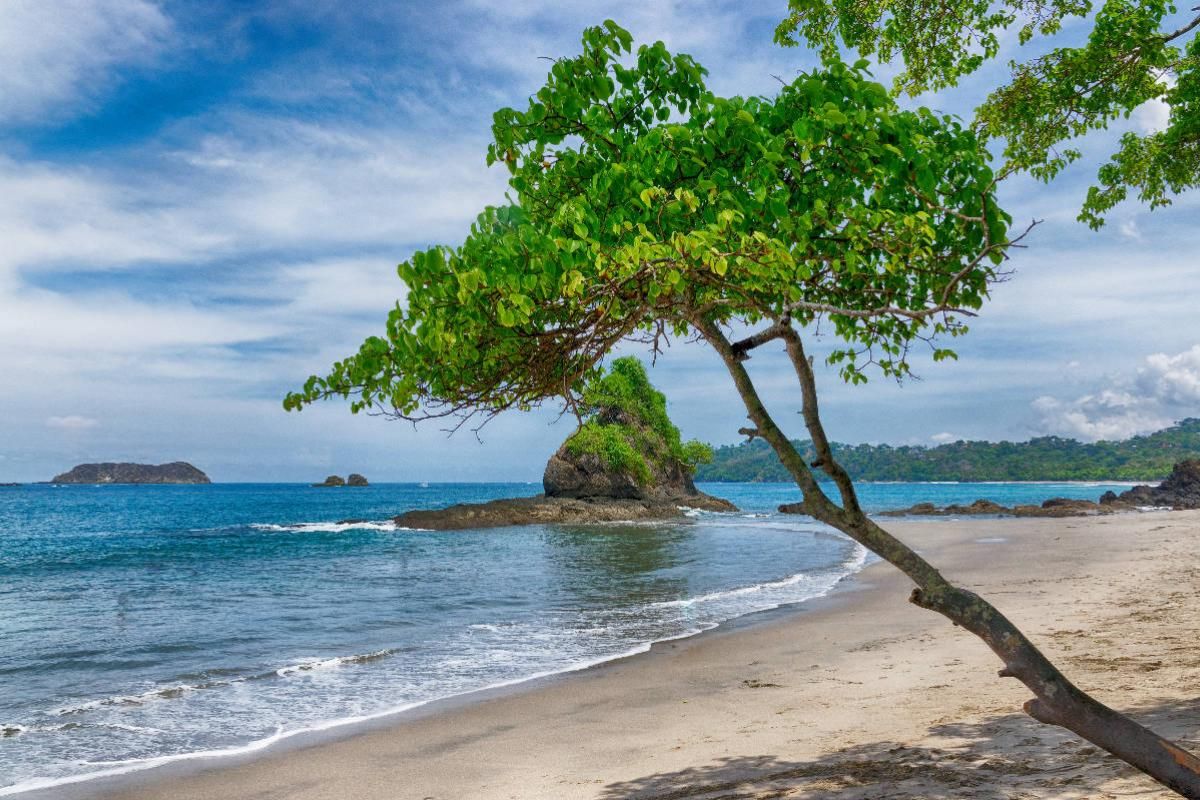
(618, 447)
(696, 453)
(641, 203)
(1049, 458)
(627, 424)
(1137, 51)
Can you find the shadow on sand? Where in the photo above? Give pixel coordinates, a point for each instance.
(1004, 757)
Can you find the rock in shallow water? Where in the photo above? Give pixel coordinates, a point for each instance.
(1180, 491)
(542, 510)
(332, 480)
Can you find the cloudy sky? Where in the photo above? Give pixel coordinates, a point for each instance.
(203, 203)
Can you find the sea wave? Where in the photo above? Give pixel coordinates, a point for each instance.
(822, 582)
(330, 527)
(178, 690)
(158, 693)
(11, 730)
(791, 580)
(322, 664)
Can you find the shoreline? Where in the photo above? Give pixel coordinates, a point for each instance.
(855, 683)
(139, 772)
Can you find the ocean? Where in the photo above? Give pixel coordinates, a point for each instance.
(146, 624)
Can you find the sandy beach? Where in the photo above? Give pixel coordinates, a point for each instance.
(859, 695)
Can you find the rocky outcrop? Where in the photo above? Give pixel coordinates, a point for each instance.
(354, 479)
(332, 480)
(584, 476)
(176, 472)
(1180, 491)
(1054, 507)
(625, 462)
(542, 510)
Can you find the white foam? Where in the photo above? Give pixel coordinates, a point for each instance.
(131, 728)
(110, 769)
(158, 693)
(823, 583)
(319, 665)
(497, 627)
(329, 527)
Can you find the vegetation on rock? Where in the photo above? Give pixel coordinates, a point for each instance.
(626, 424)
(1047, 458)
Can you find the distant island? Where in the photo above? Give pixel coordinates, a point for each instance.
(337, 480)
(1046, 458)
(108, 472)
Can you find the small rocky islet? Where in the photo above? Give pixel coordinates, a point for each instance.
(353, 479)
(626, 462)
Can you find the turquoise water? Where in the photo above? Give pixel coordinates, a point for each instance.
(141, 624)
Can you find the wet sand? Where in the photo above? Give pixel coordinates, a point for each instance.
(859, 695)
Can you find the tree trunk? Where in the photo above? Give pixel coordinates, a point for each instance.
(1056, 700)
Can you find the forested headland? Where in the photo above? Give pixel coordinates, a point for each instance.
(1046, 458)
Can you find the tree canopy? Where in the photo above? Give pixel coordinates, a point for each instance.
(641, 204)
(1137, 51)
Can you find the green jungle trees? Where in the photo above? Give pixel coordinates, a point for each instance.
(643, 206)
(1046, 458)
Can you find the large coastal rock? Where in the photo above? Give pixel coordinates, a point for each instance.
(583, 476)
(354, 479)
(626, 462)
(1180, 491)
(108, 472)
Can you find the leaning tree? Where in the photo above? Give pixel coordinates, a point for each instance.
(645, 207)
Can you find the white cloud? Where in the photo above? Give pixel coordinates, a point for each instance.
(1153, 116)
(1129, 229)
(72, 422)
(272, 189)
(944, 438)
(1163, 391)
(1175, 380)
(56, 53)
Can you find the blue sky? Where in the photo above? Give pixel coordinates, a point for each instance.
(203, 203)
